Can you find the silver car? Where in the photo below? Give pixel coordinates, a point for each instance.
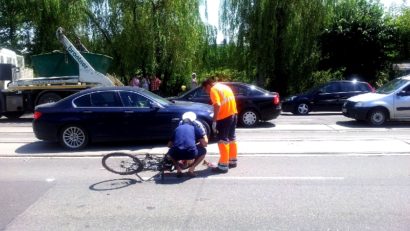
(389, 102)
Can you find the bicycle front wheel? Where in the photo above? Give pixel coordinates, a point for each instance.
(122, 163)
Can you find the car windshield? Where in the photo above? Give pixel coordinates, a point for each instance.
(157, 98)
(391, 86)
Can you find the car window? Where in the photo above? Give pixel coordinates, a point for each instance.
(331, 88)
(347, 86)
(131, 99)
(105, 99)
(201, 93)
(83, 101)
(391, 86)
(363, 87)
(238, 90)
(406, 90)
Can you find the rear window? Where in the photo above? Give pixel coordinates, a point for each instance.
(83, 101)
(106, 99)
(348, 87)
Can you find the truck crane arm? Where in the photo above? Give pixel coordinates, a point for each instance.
(87, 73)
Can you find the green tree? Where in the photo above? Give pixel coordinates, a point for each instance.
(12, 20)
(46, 16)
(357, 39)
(275, 40)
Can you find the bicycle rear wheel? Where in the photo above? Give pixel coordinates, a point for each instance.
(122, 163)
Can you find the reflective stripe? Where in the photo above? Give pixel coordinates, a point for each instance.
(233, 161)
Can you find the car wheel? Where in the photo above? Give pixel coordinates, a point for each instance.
(302, 109)
(48, 98)
(249, 118)
(73, 137)
(206, 127)
(377, 117)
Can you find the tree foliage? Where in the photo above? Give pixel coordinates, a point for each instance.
(275, 40)
(358, 38)
(285, 46)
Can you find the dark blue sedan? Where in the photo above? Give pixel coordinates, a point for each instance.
(112, 114)
(254, 104)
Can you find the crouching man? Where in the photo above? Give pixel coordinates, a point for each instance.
(188, 144)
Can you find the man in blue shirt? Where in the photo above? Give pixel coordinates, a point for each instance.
(188, 142)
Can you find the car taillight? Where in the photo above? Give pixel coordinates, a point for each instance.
(276, 99)
(37, 115)
(373, 89)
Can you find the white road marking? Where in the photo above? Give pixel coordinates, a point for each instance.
(307, 178)
(50, 179)
(324, 154)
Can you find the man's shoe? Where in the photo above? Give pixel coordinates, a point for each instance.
(218, 170)
(232, 165)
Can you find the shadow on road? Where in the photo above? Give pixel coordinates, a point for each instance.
(264, 124)
(364, 124)
(16, 121)
(44, 147)
(312, 114)
(113, 184)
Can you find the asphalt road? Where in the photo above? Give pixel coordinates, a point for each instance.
(316, 172)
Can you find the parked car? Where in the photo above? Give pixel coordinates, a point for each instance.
(389, 102)
(113, 114)
(254, 104)
(326, 97)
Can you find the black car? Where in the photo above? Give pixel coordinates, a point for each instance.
(254, 104)
(113, 114)
(326, 97)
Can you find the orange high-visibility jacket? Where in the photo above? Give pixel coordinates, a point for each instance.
(223, 96)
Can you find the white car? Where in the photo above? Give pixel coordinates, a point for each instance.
(389, 102)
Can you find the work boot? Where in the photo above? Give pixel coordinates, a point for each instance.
(233, 165)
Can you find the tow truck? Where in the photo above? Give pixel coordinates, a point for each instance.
(21, 91)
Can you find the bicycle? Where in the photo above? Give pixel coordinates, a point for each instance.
(128, 164)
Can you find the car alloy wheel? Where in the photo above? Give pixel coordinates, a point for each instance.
(377, 117)
(302, 109)
(73, 137)
(249, 118)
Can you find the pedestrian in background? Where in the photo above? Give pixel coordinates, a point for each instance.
(155, 84)
(135, 81)
(145, 83)
(194, 81)
(224, 123)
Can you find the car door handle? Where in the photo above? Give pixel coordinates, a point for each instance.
(128, 112)
(87, 112)
(176, 119)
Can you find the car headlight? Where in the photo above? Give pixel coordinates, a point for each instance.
(211, 115)
(359, 104)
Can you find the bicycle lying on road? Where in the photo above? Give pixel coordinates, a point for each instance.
(128, 164)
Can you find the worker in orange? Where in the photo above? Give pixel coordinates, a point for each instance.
(224, 123)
